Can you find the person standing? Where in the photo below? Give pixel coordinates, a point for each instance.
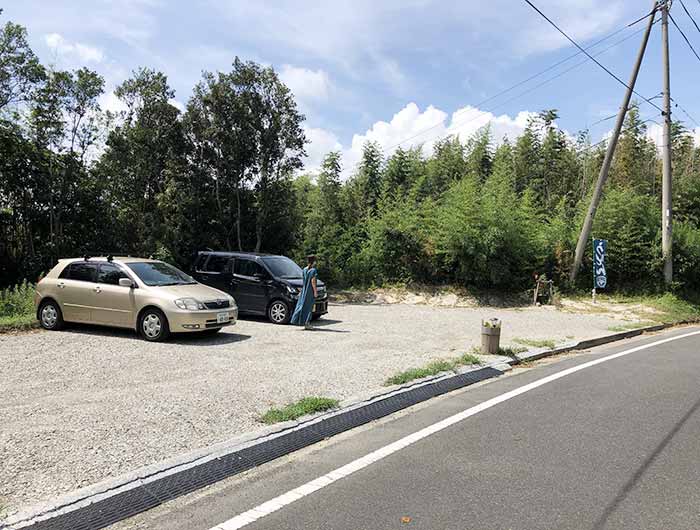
(307, 297)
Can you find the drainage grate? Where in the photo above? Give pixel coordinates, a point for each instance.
(126, 504)
(102, 513)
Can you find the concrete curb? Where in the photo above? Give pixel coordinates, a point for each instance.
(65, 511)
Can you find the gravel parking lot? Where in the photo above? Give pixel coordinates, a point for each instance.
(88, 403)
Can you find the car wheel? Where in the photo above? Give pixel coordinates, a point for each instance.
(279, 312)
(153, 326)
(50, 316)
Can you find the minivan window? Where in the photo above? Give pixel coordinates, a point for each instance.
(283, 267)
(216, 263)
(110, 274)
(157, 273)
(246, 267)
(81, 271)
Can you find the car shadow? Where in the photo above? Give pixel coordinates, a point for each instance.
(321, 322)
(254, 318)
(190, 339)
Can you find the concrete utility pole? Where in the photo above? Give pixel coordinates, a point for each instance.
(584, 238)
(666, 191)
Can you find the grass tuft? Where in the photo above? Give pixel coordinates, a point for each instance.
(17, 308)
(511, 351)
(304, 406)
(630, 326)
(536, 343)
(433, 368)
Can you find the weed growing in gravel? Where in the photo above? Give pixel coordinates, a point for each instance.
(511, 351)
(433, 368)
(304, 406)
(537, 343)
(630, 326)
(17, 307)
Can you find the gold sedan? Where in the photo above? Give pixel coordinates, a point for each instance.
(150, 296)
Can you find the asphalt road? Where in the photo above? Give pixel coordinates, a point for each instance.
(615, 445)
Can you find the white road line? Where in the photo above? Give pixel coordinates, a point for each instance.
(294, 495)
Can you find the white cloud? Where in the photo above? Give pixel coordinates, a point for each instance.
(370, 38)
(655, 132)
(68, 50)
(110, 102)
(695, 133)
(412, 127)
(175, 103)
(307, 85)
(321, 142)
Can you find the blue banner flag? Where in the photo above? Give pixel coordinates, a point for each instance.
(600, 276)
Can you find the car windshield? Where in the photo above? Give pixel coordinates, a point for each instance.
(157, 273)
(282, 267)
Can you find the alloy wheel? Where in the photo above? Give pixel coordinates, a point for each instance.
(278, 312)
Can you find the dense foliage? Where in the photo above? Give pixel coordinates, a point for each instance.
(227, 174)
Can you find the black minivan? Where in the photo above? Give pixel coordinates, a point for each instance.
(262, 284)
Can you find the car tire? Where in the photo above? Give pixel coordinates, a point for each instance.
(279, 312)
(50, 315)
(153, 326)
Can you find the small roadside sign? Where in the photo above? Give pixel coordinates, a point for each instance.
(600, 276)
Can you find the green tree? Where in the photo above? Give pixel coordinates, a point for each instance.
(634, 162)
(139, 154)
(20, 70)
(370, 175)
(479, 154)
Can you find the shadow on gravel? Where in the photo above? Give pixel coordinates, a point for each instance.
(321, 322)
(189, 339)
(325, 322)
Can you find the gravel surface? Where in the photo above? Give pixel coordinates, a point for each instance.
(85, 404)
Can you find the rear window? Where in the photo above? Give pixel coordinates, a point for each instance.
(216, 264)
(81, 271)
(110, 274)
(244, 267)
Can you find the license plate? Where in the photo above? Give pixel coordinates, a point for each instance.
(221, 318)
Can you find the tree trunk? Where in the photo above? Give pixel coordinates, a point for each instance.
(238, 218)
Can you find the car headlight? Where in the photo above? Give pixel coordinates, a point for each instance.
(292, 290)
(232, 302)
(190, 304)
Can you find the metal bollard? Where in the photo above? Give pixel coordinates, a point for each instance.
(490, 336)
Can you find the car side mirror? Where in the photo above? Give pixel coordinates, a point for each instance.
(126, 282)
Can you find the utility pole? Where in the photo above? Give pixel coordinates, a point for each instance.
(666, 183)
(584, 238)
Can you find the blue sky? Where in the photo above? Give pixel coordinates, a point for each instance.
(380, 69)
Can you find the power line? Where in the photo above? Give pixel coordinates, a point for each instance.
(608, 118)
(685, 112)
(684, 37)
(539, 85)
(689, 15)
(652, 119)
(481, 113)
(572, 41)
(534, 76)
